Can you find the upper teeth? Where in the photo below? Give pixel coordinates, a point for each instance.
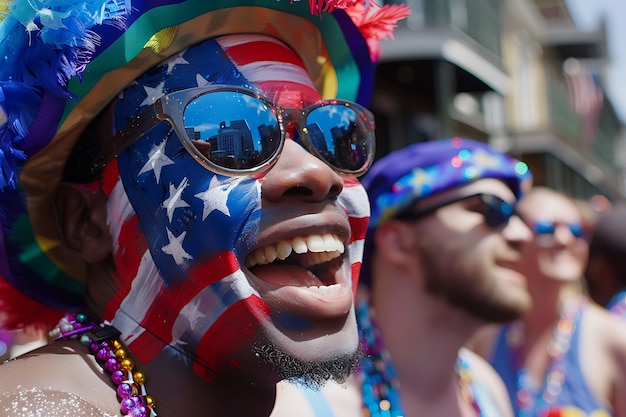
(325, 247)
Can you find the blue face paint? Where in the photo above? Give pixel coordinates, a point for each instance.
(187, 213)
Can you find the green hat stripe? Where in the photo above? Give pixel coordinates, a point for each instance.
(32, 255)
(132, 41)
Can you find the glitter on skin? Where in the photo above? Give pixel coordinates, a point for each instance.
(47, 402)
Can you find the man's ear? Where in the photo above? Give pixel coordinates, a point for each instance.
(395, 240)
(81, 219)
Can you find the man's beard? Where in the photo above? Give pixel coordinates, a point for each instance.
(309, 374)
(477, 301)
(493, 311)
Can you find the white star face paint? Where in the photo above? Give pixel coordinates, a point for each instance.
(156, 161)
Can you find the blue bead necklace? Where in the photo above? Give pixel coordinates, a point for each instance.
(379, 384)
(378, 378)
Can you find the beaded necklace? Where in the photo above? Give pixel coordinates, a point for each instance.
(530, 397)
(472, 392)
(378, 379)
(379, 384)
(103, 341)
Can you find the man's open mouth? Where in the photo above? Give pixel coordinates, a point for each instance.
(312, 253)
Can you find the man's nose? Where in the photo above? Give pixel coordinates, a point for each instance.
(516, 230)
(562, 234)
(299, 175)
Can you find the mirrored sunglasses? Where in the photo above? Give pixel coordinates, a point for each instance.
(496, 211)
(549, 228)
(235, 131)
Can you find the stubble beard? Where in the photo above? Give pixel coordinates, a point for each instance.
(480, 302)
(310, 374)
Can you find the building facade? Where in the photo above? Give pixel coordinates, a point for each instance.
(517, 74)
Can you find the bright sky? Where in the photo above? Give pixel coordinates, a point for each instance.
(588, 14)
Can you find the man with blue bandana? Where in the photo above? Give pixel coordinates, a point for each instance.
(179, 200)
(442, 259)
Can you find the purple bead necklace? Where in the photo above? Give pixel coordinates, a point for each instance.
(103, 341)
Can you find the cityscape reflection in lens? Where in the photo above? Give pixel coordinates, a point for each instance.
(231, 129)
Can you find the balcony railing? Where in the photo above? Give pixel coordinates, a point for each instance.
(478, 19)
(563, 120)
(561, 116)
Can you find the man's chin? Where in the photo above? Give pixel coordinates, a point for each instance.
(309, 373)
(311, 355)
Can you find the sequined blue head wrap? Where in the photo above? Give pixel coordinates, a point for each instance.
(403, 177)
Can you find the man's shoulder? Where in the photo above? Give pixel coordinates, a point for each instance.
(604, 325)
(55, 380)
(478, 365)
(488, 381)
(46, 401)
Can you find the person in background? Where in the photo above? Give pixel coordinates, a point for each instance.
(443, 258)
(178, 190)
(567, 356)
(606, 269)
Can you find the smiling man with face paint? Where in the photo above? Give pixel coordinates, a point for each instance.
(208, 223)
(284, 234)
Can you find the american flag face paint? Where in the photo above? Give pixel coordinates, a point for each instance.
(182, 233)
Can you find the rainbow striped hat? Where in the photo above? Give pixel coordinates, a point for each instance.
(64, 61)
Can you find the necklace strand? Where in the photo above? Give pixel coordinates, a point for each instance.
(103, 342)
(379, 384)
(530, 397)
(378, 378)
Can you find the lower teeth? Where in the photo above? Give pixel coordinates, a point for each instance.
(325, 289)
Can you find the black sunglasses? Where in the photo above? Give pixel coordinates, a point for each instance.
(496, 211)
(236, 131)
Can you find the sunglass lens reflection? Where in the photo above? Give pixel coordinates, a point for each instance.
(544, 228)
(232, 130)
(339, 136)
(576, 229)
(497, 212)
(549, 228)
